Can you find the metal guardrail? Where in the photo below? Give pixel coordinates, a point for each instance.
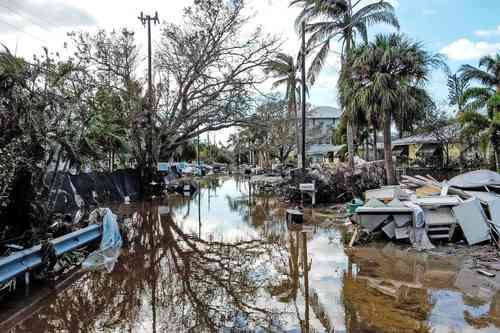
(26, 260)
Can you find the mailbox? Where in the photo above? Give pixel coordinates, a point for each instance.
(307, 187)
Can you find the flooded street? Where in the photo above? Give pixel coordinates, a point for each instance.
(224, 260)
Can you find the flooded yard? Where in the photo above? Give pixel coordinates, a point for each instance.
(224, 260)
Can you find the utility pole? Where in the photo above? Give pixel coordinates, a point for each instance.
(149, 143)
(198, 150)
(303, 99)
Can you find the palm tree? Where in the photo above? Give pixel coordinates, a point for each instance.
(284, 70)
(487, 95)
(457, 86)
(340, 20)
(386, 78)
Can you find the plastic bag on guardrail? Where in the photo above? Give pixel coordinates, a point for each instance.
(110, 247)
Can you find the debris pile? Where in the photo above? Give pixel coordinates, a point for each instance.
(424, 211)
(337, 184)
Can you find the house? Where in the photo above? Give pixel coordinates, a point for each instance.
(321, 123)
(321, 152)
(437, 149)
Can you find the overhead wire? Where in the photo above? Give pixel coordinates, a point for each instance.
(23, 31)
(30, 18)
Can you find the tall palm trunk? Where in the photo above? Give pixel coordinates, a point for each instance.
(350, 135)
(292, 109)
(375, 144)
(495, 143)
(388, 163)
(495, 135)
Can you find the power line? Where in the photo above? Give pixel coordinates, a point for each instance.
(25, 32)
(39, 19)
(25, 16)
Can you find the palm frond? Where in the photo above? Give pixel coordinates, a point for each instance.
(318, 62)
(380, 17)
(469, 72)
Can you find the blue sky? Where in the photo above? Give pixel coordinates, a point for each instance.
(463, 29)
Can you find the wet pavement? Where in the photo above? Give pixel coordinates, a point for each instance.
(224, 260)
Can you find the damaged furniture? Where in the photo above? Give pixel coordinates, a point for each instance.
(423, 209)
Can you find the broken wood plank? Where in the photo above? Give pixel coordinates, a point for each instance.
(485, 273)
(354, 236)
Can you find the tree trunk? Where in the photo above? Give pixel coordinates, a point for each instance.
(350, 135)
(495, 143)
(292, 109)
(389, 165)
(497, 159)
(367, 150)
(375, 145)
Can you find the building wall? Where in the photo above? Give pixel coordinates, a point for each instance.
(321, 130)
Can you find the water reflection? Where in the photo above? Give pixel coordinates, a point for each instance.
(224, 260)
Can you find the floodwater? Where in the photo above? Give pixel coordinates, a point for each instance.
(224, 260)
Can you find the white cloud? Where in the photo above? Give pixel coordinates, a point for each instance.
(488, 33)
(465, 49)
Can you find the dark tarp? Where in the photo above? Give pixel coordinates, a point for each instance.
(109, 187)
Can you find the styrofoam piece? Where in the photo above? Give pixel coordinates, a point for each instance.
(396, 203)
(390, 230)
(448, 200)
(384, 193)
(374, 203)
(472, 220)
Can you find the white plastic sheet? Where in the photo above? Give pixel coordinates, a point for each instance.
(111, 243)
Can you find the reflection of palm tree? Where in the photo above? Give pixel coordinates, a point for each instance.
(191, 284)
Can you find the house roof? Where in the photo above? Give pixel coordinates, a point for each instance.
(447, 133)
(415, 139)
(322, 149)
(324, 112)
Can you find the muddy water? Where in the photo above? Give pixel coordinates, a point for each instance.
(225, 261)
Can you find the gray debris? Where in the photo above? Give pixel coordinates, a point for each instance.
(402, 220)
(372, 222)
(390, 230)
(472, 220)
(475, 179)
(402, 233)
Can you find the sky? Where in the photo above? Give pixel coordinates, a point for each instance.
(462, 30)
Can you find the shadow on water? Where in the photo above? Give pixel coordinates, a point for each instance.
(224, 260)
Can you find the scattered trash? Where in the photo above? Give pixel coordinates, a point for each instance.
(485, 273)
(111, 243)
(422, 209)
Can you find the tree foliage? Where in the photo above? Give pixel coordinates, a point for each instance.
(387, 78)
(486, 97)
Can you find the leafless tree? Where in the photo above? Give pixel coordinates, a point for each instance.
(208, 68)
